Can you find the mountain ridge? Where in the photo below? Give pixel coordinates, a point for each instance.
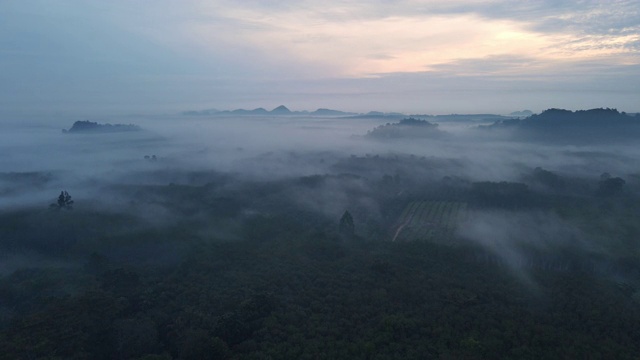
(281, 110)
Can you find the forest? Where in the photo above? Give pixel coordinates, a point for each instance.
(326, 237)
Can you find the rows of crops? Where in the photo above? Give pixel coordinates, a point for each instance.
(429, 220)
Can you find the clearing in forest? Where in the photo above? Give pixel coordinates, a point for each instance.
(429, 220)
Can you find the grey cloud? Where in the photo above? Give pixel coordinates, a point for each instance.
(489, 65)
(546, 16)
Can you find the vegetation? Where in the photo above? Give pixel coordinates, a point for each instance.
(285, 283)
(64, 201)
(347, 228)
(429, 220)
(426, 263)
(582, 126)
(87, 126)
(406, 128)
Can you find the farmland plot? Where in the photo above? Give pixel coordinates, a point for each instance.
(429, 220)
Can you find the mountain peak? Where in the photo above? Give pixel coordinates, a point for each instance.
(281, 110)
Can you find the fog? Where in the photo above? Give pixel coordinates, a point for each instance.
(229, 144)
(228, 230)
(323, 165)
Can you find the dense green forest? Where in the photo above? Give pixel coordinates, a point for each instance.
(385, 255)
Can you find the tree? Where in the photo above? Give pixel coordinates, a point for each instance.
(64, 201)
(610, 186)
(548, 179)
(346, 226)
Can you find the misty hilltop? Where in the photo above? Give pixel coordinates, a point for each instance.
(523, 113)
(94, 127)
(600, 117)
(601, 124)
(406, 128)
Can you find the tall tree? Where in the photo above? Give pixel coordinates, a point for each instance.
(346, 226)
(64, 201)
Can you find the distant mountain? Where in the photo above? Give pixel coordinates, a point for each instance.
(523, 113)
(93, 127)
(329, 112)
(464, 117)
(201, 112)
(378, 115)
(571, 126)
(258, 111)
(278, 111)
(281, 110)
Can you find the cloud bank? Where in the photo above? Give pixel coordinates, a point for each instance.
(161, 54)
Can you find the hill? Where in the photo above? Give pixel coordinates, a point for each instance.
(406, 128)
(330, 112)
(602, 124)
(93, 127)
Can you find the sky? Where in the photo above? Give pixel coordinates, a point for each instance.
(413, 56)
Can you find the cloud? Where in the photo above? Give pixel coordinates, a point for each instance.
(347, 46)
(344, 38)
(229, 53)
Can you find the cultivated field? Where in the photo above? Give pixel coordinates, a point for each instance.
(429, 220)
